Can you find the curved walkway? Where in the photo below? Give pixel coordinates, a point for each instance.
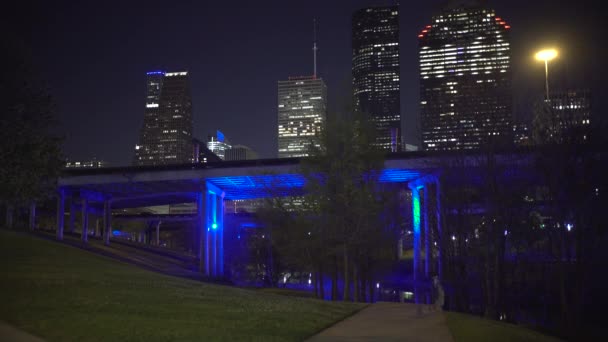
(389, 322)
(10, 333)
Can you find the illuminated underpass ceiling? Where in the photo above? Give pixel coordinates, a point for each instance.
(248, 187)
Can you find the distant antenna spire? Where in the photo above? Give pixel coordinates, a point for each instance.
(314, 46)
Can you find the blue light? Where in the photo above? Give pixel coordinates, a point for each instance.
(220, 136)
(250, 225)
(214, 225)
(155, 73)
(116, 232)
(261, 186)
(247, 187)
(398, 175)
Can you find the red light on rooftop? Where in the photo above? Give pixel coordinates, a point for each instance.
(425, 31)
(498, 19)
(502, 23)
(428, 26)
(507, 27)
(420, 35)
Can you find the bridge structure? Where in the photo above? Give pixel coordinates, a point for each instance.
(107, 191)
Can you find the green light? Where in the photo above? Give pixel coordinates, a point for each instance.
(416, 213)
(214, 225)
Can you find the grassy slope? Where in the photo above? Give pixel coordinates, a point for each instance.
(471, 329)
(62, 293)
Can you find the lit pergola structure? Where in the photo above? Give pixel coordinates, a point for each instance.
(209, 185)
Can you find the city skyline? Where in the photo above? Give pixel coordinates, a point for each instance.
(88, 116)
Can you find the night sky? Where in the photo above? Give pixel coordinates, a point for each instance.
(93, 56)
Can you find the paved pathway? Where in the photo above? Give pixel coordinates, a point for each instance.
(389, 322)
(10, 333)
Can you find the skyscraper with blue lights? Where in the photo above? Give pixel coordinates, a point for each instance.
(166, 133)
(375, 44)
(218, 144)
(465, 78)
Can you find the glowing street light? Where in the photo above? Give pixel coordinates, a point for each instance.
(546, 56)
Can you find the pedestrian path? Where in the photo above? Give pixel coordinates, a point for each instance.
(389, 322)
(10, 333)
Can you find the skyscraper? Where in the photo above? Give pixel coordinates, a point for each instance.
(240, 152)
(218, 144)
(201, 154)
(302, 114)
(572, 114)
(376, 71)
(166, 134)
(465, 78)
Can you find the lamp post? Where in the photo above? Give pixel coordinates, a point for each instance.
(546, 56)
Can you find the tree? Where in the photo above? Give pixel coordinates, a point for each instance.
(30, 156)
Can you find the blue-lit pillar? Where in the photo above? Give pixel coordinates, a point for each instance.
(9, 215)
(214, 231)
(158, 233)
(107, 221)
(207, 228)
(416, 227)
(439, 228)
(32, 215)
(428, 253)
(60, 213)
(72, 223)
(85, 220)
(213, 209)
(427, 244)
(201, 231)
(220, 229)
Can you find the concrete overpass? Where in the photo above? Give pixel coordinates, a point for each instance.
(209, 185)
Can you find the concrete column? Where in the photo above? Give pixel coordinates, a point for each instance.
(214, 230)
(9, 215)
(85, 220)
(439, 228)
(32, 215)
(158, 233)
(60, 213)
(107, 222)
(97, 230)
(427, 241)
(201, 231)
(416, 228)
(220, 229)
(72, 216)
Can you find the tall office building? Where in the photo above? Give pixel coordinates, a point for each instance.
(86, 164)
(218, 144)
(166, 135)
(302, 114)
(572, 114)
(465, 78)
(240, 152)
(202, 154)
(375, 44)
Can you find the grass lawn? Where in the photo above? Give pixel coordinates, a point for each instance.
(63, 293)
(472, 329)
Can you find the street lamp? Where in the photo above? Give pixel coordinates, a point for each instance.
(546, 56)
